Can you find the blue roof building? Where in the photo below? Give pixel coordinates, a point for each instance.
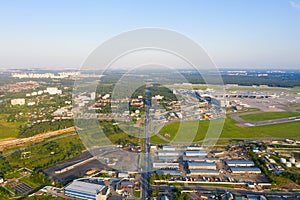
(83, 189)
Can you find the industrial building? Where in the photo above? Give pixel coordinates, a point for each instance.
(168, 148)
(195, 153)
(245, 170)
(194, 148)
(168, 153)
(201, 165)
(91, 189)
(194, 158)
(240, 163)
(164, 165)
(174, 172)
(204, 172)
(167, 158)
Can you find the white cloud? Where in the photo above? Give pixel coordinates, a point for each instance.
(295, 4)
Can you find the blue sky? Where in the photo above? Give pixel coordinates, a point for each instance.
(235, 33)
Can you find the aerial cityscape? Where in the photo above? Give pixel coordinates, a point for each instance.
(95, 106)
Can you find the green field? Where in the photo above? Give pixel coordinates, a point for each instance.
(40, 155)
(256, 89)
(8, 129)
(230, 130)
(268, 116)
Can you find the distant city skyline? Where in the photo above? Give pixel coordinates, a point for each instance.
(236, 34)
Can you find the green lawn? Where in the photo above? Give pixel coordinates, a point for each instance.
(230, 130)
(156, 140)
(8, 129)
(268, 116)
(137, 193)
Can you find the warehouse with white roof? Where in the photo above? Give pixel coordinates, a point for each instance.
(240, 163)
(87, 189)
(245, 170)
(204, 172)
(201, 165)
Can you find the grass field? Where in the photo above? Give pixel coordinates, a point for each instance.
(268, 116)
(230, 130)
(40, 155)
(259, 89)
(8, 129)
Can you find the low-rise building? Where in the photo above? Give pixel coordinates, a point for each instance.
(87, 189)
(174, 172)
(125, 184)
(53, 91)
(168, 153)
(245, 170)
(201, 165)
(17, 102)
(168, 148)
(195, 153)
(164, 165)
(167, 158)
(204, 172)
(240, 163)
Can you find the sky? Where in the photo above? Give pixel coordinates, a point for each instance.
(235, 33)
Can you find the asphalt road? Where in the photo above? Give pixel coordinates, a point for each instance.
(147, 163)
(243, 122)
(215, 189)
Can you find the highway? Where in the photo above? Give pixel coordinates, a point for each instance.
(147, 161)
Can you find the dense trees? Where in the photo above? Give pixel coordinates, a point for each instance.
(178, 195)
(27, 131)
(272, 81)
(4, 167)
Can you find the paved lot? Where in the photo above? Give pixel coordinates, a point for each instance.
(77, 171)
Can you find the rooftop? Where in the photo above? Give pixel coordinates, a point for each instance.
(245, 169)
(201, 164)
(239, 162)
(84, 187)
(204, 171)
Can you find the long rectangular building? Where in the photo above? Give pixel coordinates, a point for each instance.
(168, 153)
(175, 172)
(168, 148)
(164, 165)
(195, 153)
(201, 165)
(245, 170)
(86, 190)
(193, 158)
(204, 172)
(167, 158)
(240, 163)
